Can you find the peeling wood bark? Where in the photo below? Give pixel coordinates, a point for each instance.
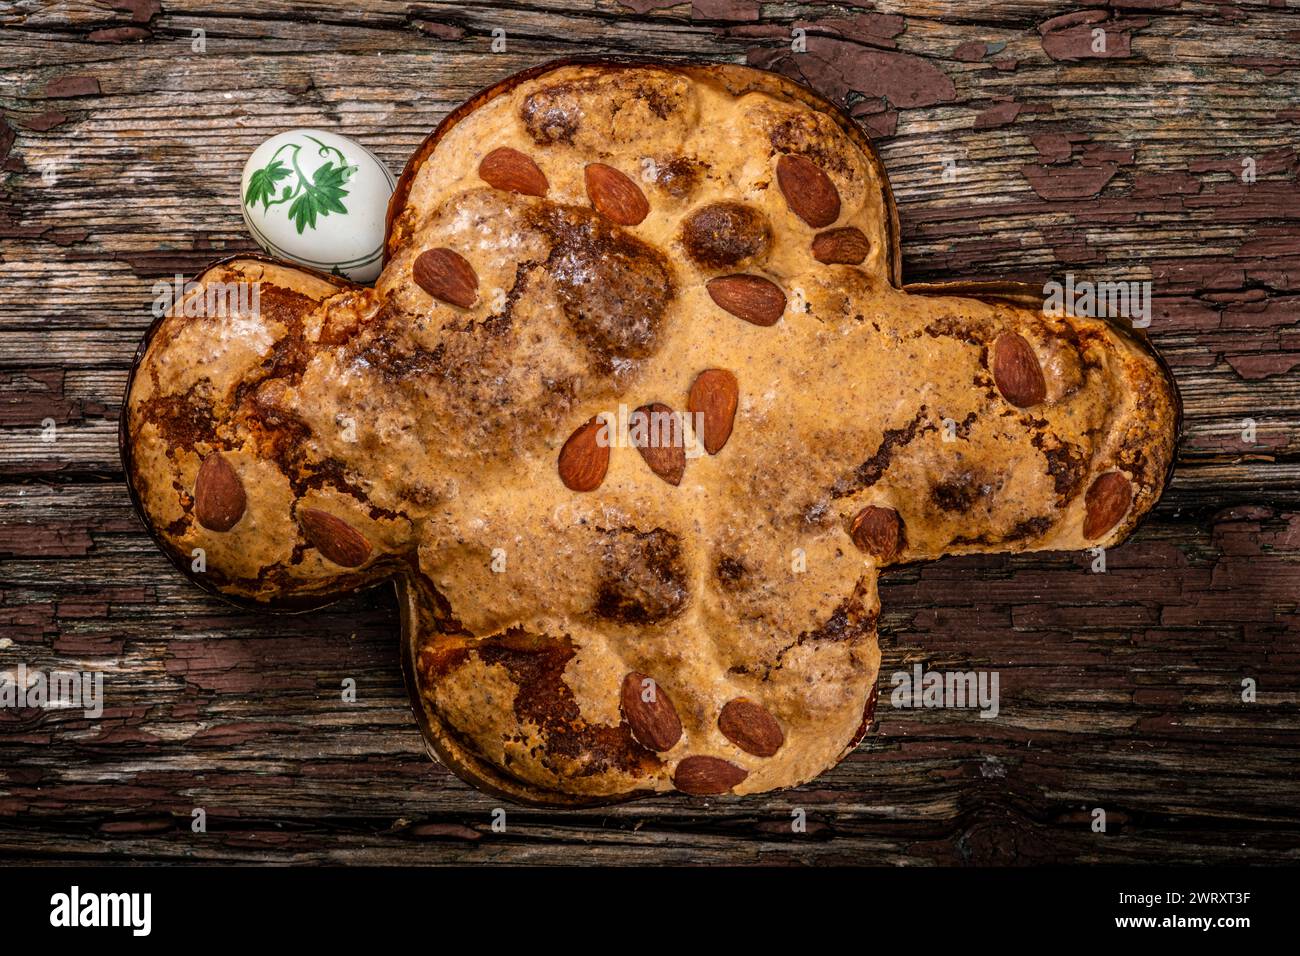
(119, 150)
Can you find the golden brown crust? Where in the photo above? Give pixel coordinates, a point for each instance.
(585, 623)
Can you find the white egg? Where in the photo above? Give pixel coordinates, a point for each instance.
(320, 200)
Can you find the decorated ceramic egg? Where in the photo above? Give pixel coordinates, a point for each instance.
(318, 199)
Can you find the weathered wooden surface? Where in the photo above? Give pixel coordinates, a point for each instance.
(121, 149)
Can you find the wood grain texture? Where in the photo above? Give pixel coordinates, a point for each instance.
(1015, 151)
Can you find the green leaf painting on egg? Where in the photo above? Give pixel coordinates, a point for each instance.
(319, 194)
(261, 185)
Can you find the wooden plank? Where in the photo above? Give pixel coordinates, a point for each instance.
(241, 714)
